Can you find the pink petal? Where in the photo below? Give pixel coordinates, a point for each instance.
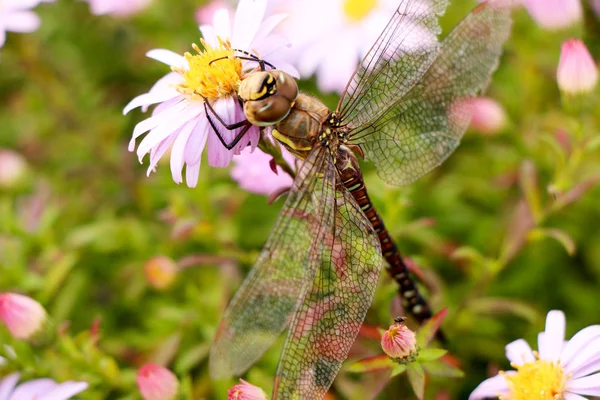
(197, 142)
(218, 155)
(168, 57)
(33, 389)
(589, 385)
(573, 396)
(247, 22)
(150, 98)
(155, 120)
(21, 21)
(157, 152)
(550, 342)
(519, 352)
(15, 5)
(178, 151)
(578, 343)
(191, 174)
(490, 387)
(64, 391)
(7, 384)
(586, 362)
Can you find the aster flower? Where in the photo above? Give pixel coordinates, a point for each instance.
(38, 389)
(340, 34)
(254, 173)
(577, 72)
(559, 370)
(16, 16)
(157, 383)
(121, 8)
(246, 391)
(554, 14)
(180, 120)
(23, 316)
(400, 343)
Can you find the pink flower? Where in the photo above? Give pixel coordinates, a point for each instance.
(121, 8)
(22, 315)
(399, 342)
(157, 383)
(15, 16)
(246, 391)
(343, 31)
(596, 6)
(13, 168)
(563, 370)
(180, 120)
(577, 72)
(487, 115)
(554, 14)
(252, 171)
(38, 389)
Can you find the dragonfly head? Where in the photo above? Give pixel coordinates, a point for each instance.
(268, 96)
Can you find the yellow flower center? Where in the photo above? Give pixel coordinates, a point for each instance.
(538, 380)
(357, 10)
(213, 73)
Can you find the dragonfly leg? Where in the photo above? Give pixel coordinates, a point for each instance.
(245, 124)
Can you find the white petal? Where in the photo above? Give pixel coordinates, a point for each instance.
(177, 153)
(585, 362)
(64, 391)
(197, 142)
(550, 342)
(490, 387)
(589, 385)
(150, 98)
(573, 396)
(519, 352)
(209, 36)
(154, 121)
(157, 152)
(32, 389)
(7, 384)
(19, 4)
(222, 24)
(167, 57)
(2, 41)
(267, 27)
(248, 18)
(578, 343)
(163, 130)
(191, 174)
(21, 21)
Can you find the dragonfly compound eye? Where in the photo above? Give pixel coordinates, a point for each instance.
(268, 96)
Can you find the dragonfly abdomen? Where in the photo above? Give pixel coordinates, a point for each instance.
(352, 179)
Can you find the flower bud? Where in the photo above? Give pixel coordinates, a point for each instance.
(23, 316)
(400, 343)
(157, 383)
(161, 272)
(246, 391)
(488, 116)
(577, 73)
(13, 168)
(554, 14)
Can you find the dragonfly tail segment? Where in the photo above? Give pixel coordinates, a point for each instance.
(352, 179)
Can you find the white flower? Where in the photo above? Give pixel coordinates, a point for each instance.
(180, 119)
(15, 16)
(329, 38)
(121, 8)
(559, 370)
(38, 389)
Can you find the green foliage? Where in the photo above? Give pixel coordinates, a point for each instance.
(504, 231)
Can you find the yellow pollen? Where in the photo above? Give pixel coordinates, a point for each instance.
(357, 10)
(213, 73)
(538, 380)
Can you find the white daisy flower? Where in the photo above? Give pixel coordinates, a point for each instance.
(200, 96)
(559, 370)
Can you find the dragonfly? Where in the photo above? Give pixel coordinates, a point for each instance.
(405, 110)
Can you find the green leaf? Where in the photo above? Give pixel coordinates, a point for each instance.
(398, 369)
(440, 368)
(431, 354)
(372, 364)
(416, 377)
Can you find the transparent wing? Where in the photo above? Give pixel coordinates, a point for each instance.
(400, 56)
(333, 309)
(422, 129)
(264, 304)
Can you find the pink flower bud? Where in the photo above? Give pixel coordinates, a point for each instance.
(487, 116)
(23, 316)
(12, 168)
(246, 391)
(554, 14)
(577, 72)
(161, 272)
(400, 343)
(157, 383)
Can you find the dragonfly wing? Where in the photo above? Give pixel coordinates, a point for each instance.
(334, 307)
(400, 56)
(269, 297)
(422, 129)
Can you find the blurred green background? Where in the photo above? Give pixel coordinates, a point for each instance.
(506, 230)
